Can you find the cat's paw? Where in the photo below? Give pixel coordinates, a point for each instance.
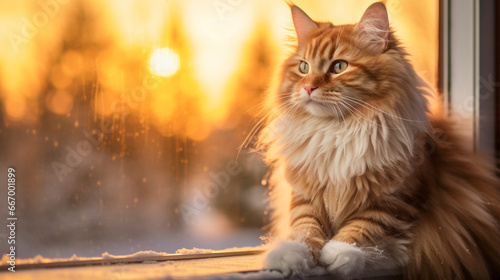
(342, 259)
(290, 258)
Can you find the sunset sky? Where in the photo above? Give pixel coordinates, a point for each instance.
(215, 33)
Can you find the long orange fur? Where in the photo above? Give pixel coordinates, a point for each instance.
(362, 166)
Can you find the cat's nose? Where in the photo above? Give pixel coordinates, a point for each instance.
(309, 89)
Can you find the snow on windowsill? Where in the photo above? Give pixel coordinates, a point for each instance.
(138, 255)
(195, 263)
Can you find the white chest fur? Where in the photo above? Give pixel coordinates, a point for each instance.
(331, 152)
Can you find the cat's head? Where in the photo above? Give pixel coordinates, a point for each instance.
(339, 70)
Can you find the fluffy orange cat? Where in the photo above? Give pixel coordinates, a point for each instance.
(371, 179)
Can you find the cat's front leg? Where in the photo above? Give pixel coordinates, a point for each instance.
(343, 259)
(309, 232)
(364, 243)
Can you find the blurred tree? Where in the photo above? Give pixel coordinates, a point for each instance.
(177, 115)
(64, 106)
(245, 95)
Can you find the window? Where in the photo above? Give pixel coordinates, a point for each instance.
(123, 119)
(469, 69)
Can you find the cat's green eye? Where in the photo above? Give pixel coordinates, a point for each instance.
(339, 66)
(304, 67)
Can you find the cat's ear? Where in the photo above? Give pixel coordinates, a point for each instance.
(304, 25)
(373, 28)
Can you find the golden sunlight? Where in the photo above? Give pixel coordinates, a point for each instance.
(164, 62)
(129, 109)
(211, 41)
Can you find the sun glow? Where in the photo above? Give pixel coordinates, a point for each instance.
(164, 62)
(210, 39)
(131, 110)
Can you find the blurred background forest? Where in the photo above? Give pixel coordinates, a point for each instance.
(123, 118)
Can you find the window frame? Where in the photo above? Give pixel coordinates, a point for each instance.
(467, 71)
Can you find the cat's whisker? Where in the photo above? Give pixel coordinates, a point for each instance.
(337, 115)
(345, 124)
(256, 128)
(354, 109)
(367, 118)
(341, 114)
(337, 111)
(353, 114)
(295, 108)
(263, 103)
(361, 113)
(334, 109)
(250, 136)
(371, 107)
(260, 123)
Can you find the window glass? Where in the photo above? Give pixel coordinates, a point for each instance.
(123, 118)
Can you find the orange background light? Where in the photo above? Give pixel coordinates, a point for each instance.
(165, 92)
